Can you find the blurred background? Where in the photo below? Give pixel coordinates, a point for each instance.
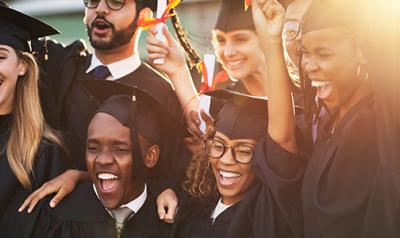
(198, 17)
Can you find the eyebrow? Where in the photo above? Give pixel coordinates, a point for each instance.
(321, 48)
(4, 49)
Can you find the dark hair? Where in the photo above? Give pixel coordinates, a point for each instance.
(183, 39)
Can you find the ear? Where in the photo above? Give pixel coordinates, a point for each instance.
(151, 156)
(22, 67)
(145, 13)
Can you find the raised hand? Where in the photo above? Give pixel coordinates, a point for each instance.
(269, 17)
(174, 60)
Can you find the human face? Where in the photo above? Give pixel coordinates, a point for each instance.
(239, 52)
(109, 29)
(109, 160)
(331, 59)
(10, 68)
(233, 178)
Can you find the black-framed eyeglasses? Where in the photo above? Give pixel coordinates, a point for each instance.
(241, 153)
(291, 29)
(112, 4)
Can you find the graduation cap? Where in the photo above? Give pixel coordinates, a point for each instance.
(137, 110)
(152, 4)
(242, 116)
(328, 14)
(17, 29)
(232, 16)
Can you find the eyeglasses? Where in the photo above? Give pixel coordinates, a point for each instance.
(112, 4)
(291, 29)
(241, 153)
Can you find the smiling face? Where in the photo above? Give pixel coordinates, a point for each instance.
(109, 160)
(233, 179)
(239, 52)
(331, 59)
(108, 29)
(10, 68)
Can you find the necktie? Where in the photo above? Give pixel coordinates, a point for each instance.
(101, 72)
(121, 215)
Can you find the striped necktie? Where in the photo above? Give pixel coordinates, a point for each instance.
(121, 215)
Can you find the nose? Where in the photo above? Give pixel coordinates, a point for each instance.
(227, 158)
(102, 9)
(105, 158)
(229, 49)
(310, 64)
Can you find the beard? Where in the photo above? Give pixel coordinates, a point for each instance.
(118, 38)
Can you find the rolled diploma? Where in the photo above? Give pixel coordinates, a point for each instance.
(161, 6)
(209, 61)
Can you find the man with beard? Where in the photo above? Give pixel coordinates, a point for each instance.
(113, 33)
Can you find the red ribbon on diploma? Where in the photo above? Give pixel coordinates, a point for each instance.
(148, 23)
(204, 86)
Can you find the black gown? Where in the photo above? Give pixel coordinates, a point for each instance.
(68, 107)
(261, 213)
(194, 220)
(49, 163)
(82, 215)
(347, 189)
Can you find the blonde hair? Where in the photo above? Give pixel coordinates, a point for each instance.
(28, 124)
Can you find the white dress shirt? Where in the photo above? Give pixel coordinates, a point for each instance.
(135, 204)
(117, 69)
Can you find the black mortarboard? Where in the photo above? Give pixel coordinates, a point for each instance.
(17, 29)
(328, 14)
(232, 16)
(152, 4)
(242, 116)
(139, 111)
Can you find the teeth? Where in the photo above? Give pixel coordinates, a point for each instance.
(107, 176)
(234, 63)
(320, 83)
(228, 174)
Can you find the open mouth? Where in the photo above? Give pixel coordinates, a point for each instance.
(101, 26)
(228, 178)
(108, 182)
(324, 88)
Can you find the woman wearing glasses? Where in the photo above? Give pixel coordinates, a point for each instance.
(222, 195)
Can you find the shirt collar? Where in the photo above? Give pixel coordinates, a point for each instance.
(135, 204)
(117, 69)
(220, 208)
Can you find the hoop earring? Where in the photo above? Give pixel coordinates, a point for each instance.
(360, 70)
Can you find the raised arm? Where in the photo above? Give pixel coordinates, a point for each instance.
(268, 18)
(175, 68)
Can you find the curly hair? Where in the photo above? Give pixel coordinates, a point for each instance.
(200, 181)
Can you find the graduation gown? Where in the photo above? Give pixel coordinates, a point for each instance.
(49, 162)
(271, 208)
(347, 189)
(67, 106)
(194, 220)
(82, 215)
